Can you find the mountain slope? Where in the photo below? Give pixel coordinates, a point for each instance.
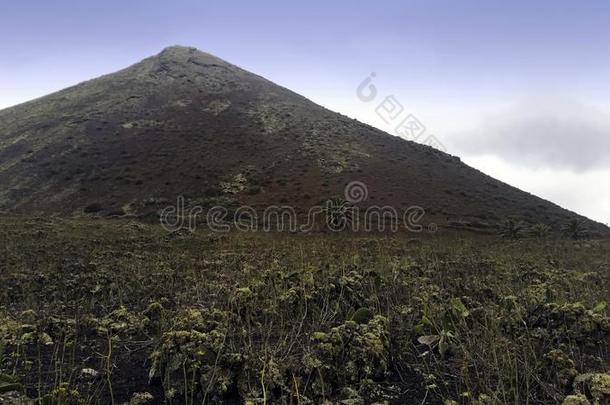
(187, 123)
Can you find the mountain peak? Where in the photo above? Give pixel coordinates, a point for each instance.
(178, 51)
(186, 123)
(179, 48)
(187, 56)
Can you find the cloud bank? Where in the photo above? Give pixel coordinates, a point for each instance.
(561, 135)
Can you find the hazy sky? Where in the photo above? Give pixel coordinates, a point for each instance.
(518, 89)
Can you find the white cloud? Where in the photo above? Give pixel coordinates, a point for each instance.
(543, 133)
(586, 193)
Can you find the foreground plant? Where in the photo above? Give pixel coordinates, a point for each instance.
(129, 313)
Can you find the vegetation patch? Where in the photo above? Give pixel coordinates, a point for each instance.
(121, 312)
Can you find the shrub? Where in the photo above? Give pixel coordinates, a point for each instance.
(511, 229)
(575, 229)
(349, 355)
(540, 231)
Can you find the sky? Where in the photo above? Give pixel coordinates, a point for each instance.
(520, 90)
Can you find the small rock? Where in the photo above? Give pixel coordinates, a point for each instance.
(89, 373)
